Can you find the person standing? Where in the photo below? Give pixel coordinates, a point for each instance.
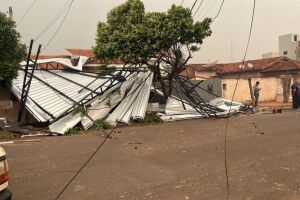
(296, 94)
(256, 91)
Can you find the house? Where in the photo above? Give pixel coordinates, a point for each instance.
(267, 71)
(92, 63)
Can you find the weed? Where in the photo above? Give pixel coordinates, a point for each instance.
(101, 123)
(72, 131)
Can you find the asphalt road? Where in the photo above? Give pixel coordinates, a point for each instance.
(174, 161)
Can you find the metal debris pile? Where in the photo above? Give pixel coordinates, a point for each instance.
(120, 97)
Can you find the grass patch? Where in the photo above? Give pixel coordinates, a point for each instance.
(150, 118)
(80, 110)
(72, 131)
(101, 123)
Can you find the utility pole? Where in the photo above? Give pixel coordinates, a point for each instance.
(10, 13)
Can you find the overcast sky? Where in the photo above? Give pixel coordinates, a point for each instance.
(230, 30)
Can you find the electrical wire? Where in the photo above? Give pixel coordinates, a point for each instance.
(198, 8)
(204, 7)
(208, 8)
(182, 2)
(26, 12)
(100, 145)
(227, 120)
(219, 11)
(55, 18)
(62, 22)
(193, 5)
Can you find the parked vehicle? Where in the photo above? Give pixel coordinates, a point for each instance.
(5, 194)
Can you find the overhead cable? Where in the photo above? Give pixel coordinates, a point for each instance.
(55, 18)
(239, 75)
(198, 8)
(26, 12)
(219, 11)
(61, 24)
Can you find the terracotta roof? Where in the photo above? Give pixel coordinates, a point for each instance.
(92, 59)
(284, 65)
(82, 52)
(251, 65)
(268, 64)
(50, 56)
(52, 65)
(206, 67)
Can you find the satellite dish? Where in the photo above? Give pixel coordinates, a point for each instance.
(250, 65)
(241, 66)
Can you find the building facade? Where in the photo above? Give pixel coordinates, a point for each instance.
(288, 44)
(268, 72)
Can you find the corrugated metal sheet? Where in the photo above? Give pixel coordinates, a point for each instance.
(49, 99)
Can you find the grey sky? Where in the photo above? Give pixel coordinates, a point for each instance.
(273, 18)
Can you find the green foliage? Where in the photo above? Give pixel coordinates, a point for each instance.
(80, 110)
(101, 123)
(150, 118)
(134, 36)
(12, 52)
(104, 70)
(72, 131)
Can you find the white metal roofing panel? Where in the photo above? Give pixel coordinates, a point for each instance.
(49, 99)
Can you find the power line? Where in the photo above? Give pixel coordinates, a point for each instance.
(26, 12)
(227, 120)
(182, 2)
(194, 5)
(62, 22)
(205, 6)
(103, 142)
(208, 8)
(219, 11)
(55, 18)
(198, 8)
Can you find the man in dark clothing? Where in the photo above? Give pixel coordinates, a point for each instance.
(296, 94)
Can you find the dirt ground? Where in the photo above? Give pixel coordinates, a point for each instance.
(173, 161)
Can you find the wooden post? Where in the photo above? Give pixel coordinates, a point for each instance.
(286, 86)
(251, 91)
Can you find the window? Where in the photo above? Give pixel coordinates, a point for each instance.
(285, 53)
(224, 86)
(295, 38)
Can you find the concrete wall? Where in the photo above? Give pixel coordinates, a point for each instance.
(271, 89)
(287, 43)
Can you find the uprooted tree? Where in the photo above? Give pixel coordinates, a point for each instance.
(11, 51)
(152, 39)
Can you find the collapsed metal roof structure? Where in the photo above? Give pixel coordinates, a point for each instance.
(52, 95)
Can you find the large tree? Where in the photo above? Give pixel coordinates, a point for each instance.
(136, 37)
(11, 51)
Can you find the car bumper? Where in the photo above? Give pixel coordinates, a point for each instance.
(5, 195)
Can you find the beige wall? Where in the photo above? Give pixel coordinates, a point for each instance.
(271, 89)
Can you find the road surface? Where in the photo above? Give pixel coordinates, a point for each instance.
(173, 161)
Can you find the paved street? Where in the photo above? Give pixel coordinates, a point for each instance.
(174, 161)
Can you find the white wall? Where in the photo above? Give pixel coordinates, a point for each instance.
(269, 55)
(288, 44)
